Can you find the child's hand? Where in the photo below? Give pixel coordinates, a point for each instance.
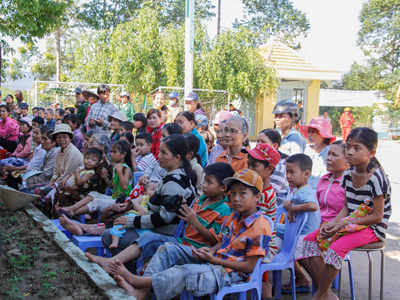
(118, 167)
(291, 216)
(63, 182)
(123, 206)
(287, 204)
(144, 180)
(104, 173)
(135, 152)
(201, 254)
(121, 221)
(187, 214)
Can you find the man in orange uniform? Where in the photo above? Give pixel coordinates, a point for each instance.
(345, 121)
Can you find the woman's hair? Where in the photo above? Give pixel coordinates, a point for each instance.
(47, 131)
(194, 145)
(189, 115)
(173, 128)
(73, 118)
(71, 109)
(129, 137)
(19, 97)
(61, 112)
(178, 145)
(123, 146)
(154, 97)
(275, 138)
(6, 107)
(208, 137)
(42, 128)
(103, 88)
(127, 125)
(140, 117)
(369, 138)
(340, 143)
(244, 127)
(103, 140)
(154, 110)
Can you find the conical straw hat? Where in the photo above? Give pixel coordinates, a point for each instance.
(15, 200)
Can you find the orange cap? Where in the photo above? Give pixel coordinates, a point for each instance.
(247, 177)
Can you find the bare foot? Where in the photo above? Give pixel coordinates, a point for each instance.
(95, 230)
(137, 293)
(118, 268)
(266, 290)
(70, 225)
(103, 262)
(330, 295)
(114, 245)
(68, 211)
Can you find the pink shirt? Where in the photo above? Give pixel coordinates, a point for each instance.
(330, 197)
(9, 129)
(23, 151)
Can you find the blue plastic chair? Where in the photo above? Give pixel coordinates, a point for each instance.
(65, 231)
(285, 259)
(136, 176)
(90, 241)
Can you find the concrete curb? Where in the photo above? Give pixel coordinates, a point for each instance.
(97, 275)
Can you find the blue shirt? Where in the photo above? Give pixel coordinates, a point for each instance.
(293, 143)
(203, 147)
(51, 123)
(301, 196)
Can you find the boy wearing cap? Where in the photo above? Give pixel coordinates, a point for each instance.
(202, 123)
(243, 239)
(127, 107)
(23, 108)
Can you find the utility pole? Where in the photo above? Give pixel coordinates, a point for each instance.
(189, 46)
(219, 18)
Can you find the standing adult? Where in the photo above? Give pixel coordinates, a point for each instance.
(92, 98)
(82, 104)
(325, 115)
(159, 103)
(192, 104)
(154, 127)
(10, 103)
(127, 107)
(99, 112)
(345, 121)
(292, 141)
(173, 108)
(300, 112)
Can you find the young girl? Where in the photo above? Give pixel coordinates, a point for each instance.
(73, 122)
(127, 136)
(154, 120)
(278, 177)
(155, 172)
(195, 161)
(122, 174)
(115, 119)
(187, 120)
(319, 134)
(20, 156)
(366, 185)
(139, 123)
(209, 139)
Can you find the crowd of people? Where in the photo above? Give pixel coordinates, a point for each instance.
(82, 159)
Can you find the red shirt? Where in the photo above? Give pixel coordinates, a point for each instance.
(346, 120)
(156, 133)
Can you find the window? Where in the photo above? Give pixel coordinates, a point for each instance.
(298, 95)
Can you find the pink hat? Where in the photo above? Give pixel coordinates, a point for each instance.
(264, 152)
(221, 116)
(322, 125)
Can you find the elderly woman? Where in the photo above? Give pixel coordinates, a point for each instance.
(69, 196)
(236, 133)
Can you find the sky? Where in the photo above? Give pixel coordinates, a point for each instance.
(331, 42)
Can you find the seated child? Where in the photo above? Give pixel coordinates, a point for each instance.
(20, 156)
(125, 126)
(204, 221)
(127, 136)
(298, 170)
(141, 155)
(140, 208)
(243, 239)
(115, 120)
(195, 160)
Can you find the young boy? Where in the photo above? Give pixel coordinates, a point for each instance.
(141, 155)
(243, 239)
(204, 221)
(125, 126)
(298, 170)
(37, 121)
(48, 115)
(23, 107)
(34, 111)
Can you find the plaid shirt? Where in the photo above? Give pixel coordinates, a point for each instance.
(101, 111)
(240, 240)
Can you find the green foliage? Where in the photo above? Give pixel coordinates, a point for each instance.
(380, 31)
(364, 78)
(266, 18)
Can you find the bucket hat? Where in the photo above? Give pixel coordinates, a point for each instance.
(63, 128)
(89, 93)
(26, 120)
(14, 199)
(264, 152)
(322, 125)
(119, 116)
(247, 177)
(222, 116)
(125, 94)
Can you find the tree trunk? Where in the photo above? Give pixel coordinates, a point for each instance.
(219, 18)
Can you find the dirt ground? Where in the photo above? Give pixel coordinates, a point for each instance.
(36, 268)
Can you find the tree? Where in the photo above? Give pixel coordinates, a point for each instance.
(28, 20)
(266, 18)
(379, 36)
(363, 78)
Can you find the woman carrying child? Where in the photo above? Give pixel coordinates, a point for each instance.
(363, 219)
(319, 134)
(154, 121)
(9, 129)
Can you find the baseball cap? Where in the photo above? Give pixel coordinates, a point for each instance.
(247, 177)
(201, 121)
(264, 152)
(78, 90)
(24, 105)
(26, 120)
(192, 97)
(125, 94)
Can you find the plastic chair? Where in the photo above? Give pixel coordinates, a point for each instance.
(90, 241)
(65, 231)
(371, 247)
(136, 176)
(285, 259)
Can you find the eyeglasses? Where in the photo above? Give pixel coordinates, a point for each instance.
(231, 131)
(94, 144)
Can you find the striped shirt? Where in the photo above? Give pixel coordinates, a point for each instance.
(267, 204)
(279, 182)
(143, 162)
(243, 239)
(377, 185)
(211, 217)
